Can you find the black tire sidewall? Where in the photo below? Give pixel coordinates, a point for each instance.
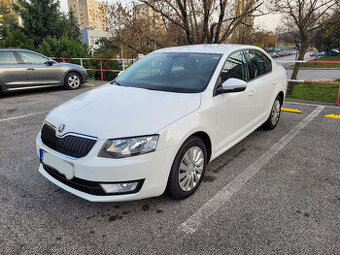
(269, 124)
(173, 187)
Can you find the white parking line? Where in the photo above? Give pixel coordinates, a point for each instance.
(315, 105)
(22, 116)
(195, 221)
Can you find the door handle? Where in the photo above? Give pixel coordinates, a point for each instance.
(253, 92)
(30, 69)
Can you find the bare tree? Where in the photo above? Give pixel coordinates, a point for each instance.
(303, 17)
(328, 37)
(263, 39)
(204, 21)
(135, 26)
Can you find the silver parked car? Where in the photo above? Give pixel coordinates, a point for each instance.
(21, 69)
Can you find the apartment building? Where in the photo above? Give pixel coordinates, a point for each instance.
(91, 14)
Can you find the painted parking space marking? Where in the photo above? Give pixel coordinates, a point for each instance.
(290, 110)
(334, 116)
(315, 105)
(22, 116)
(193, 223)
(89, 85)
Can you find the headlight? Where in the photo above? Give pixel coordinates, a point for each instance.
(127, 147)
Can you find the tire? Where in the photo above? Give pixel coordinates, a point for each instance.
(186, 175)
(275, 114)
(72, 80)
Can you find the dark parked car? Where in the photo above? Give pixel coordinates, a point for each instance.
(21, 69)
(332, 53)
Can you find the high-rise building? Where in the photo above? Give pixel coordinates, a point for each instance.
(146, 12)
(91, 14)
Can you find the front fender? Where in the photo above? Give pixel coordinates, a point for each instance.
(82, 73)
(178, 132)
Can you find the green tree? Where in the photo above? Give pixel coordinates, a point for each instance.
(107, 48)
(17, 39)
(328, 36)
(63, 47)
(8, 20)
(41, 18)
(74, 30)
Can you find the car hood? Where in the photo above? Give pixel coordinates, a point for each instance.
(112, 111)
(68, 65)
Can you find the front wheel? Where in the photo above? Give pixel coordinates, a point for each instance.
(72, 81)
(274, 116)
(187, 169)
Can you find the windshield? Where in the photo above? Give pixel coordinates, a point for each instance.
(175, 72)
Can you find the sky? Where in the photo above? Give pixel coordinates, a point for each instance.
(267, 22)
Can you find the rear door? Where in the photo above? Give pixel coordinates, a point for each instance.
(12, 73)
(261, 81)
(38, 73)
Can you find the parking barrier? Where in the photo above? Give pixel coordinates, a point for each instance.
(311, 81)
(124, 62)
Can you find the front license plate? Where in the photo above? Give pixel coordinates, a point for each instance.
(58, 164)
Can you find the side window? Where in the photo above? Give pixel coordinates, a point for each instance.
(235, 67)
(32, 58)
(7, 57)
(259, 64)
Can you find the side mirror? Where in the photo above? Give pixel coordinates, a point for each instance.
(120, 73)
(231, 85)
(50, 62)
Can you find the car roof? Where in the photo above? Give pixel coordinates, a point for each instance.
(14, 50)
(209, 48)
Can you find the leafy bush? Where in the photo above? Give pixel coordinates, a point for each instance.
(17, 39)
(63, 47)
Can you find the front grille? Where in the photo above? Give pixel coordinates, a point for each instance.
(70, 145)
(86, 186)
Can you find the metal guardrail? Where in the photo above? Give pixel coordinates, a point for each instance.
(313, 81)
(124, 61)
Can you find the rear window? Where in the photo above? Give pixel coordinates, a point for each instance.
(259, 63)
(7, 57)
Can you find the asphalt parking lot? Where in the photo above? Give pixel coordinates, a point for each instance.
(276, 192)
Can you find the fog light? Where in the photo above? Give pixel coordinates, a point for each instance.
(119, 187)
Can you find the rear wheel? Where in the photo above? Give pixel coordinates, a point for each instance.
(188, 168)
(72, 80)
(275, 114)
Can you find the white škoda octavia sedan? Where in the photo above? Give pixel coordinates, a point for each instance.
(157, 125)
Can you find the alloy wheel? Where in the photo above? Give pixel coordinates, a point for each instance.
(191, 168)
(73, 81)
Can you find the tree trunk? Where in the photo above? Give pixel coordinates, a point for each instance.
(291, 85)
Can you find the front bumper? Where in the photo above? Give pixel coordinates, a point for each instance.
(152, 169)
